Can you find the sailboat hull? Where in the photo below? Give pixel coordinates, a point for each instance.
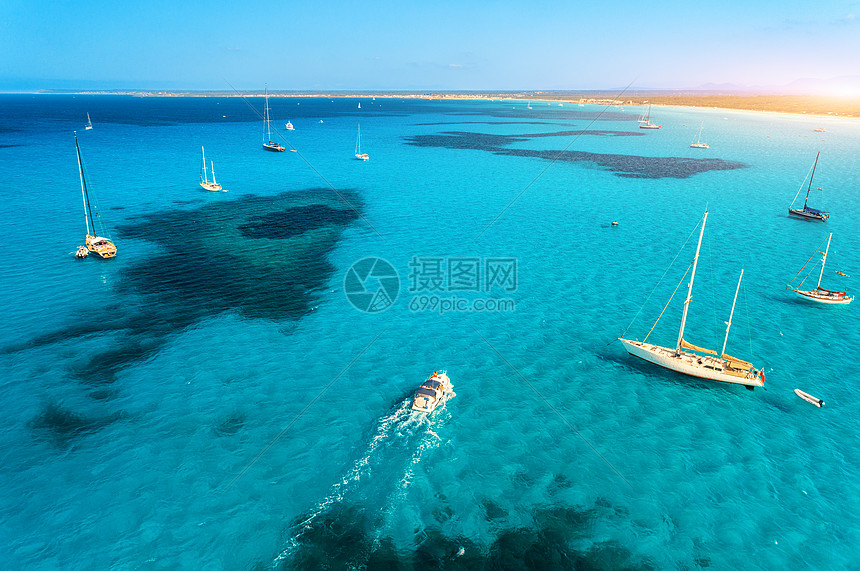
(703, 367)
(830, 298)
(808, 215)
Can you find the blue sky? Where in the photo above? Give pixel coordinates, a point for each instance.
(428, 45)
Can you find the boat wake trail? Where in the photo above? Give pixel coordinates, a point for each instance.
(401, 439)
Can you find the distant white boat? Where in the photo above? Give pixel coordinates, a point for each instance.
(358, 154)
(820, 294)
(289, 126)
(204, 179)
(647, 123)
(89, 124)
(359, 104)
(699, 144)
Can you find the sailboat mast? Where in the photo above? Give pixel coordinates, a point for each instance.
(88, 214)
(810, 179)
(690, 289)
(732, 314)
(268, 130)
(205, 178)
(213, 173)
(824, 260)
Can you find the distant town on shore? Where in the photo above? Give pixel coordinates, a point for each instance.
(799, 104)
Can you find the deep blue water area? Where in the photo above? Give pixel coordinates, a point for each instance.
(223, 395)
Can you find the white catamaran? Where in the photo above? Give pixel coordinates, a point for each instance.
(98, 245)
(698, 361)
(204, 180)
(820, 294)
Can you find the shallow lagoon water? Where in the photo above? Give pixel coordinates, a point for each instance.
(210, 398)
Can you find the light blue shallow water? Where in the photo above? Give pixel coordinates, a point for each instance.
(210, 398)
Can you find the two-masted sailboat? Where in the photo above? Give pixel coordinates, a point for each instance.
(98, 245)
(820, 294)
(269, 144)
(204, 179)
(806, 212)
(697, 361)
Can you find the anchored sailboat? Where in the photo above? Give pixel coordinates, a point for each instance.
(699, 144)
(806, 212)
(204, 180)
(101, 247)
(703, 363)
(646, 124)
(358, 154)
(270, 145)
(820, 294)
(89, 124)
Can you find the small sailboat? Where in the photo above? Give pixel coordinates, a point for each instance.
(98, 245)
(820, 294)
(646, 124)
(89, 124)
(359, 104)
(204, 180)
(806, 211)
(270, 145)
(289, 126)
(358, 154)
(699, 144)
(692, 360)
(430, 393)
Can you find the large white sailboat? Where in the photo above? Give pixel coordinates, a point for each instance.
(98, 245)
(270, 145)
(697, 361)
(820, 294)
(204, 179)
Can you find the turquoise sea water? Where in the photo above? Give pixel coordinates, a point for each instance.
(211, 399)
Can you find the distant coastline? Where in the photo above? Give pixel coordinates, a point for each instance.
(794, 104)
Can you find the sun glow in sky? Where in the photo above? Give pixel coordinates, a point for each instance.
(444, 44)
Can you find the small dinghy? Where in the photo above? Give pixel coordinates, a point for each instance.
(82, 252)
(809, 398)
(430, 393)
